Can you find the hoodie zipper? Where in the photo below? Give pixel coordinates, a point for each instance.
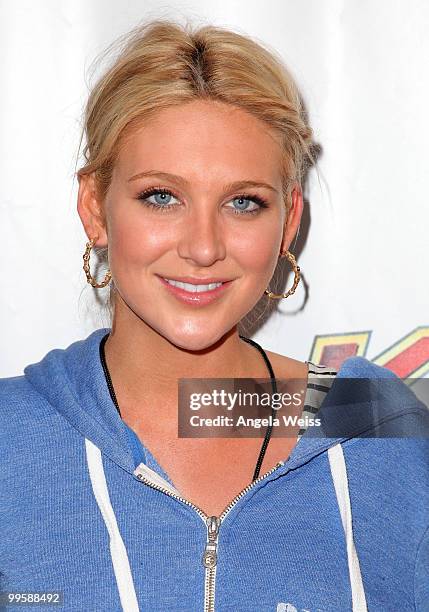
(212, 523)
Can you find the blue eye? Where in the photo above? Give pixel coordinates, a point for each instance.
(163, 196)
(243, 204)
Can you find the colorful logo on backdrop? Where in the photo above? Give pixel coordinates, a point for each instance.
(408, 357)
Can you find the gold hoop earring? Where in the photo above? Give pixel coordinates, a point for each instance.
(89, 278)
(297, 271)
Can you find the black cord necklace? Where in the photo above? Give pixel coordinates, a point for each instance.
(273, 384)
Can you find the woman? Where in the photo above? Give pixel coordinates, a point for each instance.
(196, 148)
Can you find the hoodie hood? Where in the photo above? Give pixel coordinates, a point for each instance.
(73, 382)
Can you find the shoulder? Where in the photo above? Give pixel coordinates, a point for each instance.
(13, 388)
(286, 367)
(20, 404)
(361, 367)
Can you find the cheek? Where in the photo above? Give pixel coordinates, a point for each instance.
(263, 254)
(134, 238)
(257, 247)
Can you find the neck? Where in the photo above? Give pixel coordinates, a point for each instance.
(145, 366)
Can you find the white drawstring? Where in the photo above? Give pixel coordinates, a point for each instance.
(339, 476)
(118, 552)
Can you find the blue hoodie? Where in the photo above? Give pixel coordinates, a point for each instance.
(341, 525)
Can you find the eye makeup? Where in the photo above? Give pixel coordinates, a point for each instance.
(147, 193)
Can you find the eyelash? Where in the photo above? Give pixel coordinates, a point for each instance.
(153, 190)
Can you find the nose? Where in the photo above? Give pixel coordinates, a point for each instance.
(201, 238)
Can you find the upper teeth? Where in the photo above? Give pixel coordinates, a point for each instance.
(192, 287)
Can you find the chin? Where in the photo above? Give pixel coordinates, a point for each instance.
(197, 340)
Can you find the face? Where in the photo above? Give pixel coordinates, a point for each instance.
(196, 192)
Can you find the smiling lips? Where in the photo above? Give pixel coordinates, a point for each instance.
(194, 280)
(193, 291)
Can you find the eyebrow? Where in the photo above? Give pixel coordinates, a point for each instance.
(181, 181)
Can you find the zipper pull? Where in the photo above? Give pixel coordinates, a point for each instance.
(210, 556)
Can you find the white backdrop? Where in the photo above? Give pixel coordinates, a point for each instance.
(362, 66)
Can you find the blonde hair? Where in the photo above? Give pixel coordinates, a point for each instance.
(162, 64)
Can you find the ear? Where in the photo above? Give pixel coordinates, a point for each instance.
(293, 218)
(91, 210)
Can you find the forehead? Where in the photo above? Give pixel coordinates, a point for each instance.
(201, 138)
